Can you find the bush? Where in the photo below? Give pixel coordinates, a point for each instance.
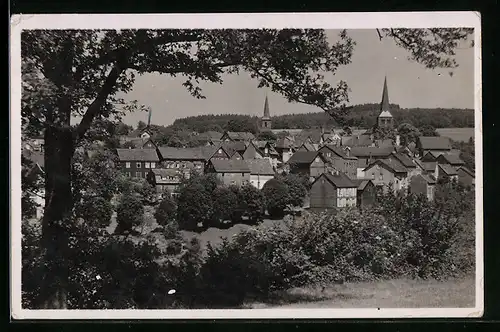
(130, 213)
(166, 211)
(277, 197)
(224, 201)
(193, 206)
(95, 210)
(251, 202)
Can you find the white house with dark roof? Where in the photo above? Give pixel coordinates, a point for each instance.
(261, 171)
(137, 162)
(230, 172)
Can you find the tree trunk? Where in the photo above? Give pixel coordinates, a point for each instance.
(57, 216)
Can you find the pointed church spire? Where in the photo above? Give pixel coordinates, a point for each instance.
(266, 108)
(384, 106)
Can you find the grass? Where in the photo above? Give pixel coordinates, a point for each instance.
(401, 293)
(457, 134)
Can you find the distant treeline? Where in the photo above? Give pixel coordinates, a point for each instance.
(358, 116)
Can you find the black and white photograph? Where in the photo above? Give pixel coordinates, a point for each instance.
(252, 166)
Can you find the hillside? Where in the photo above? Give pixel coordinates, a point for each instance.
(358, 116)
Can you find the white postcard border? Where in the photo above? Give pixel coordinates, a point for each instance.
(214, 21)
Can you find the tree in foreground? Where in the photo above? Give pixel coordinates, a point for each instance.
(129, 214)
(252, 202)
(224, 201)
(297, 189)
(277, 197)
(166, 211)
(193, 206)
(69, 74)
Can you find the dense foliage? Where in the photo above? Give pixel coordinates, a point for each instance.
(277, 197)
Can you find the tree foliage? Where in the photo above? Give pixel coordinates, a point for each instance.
(129, 214)
(277, 197)
(297, 188)
(225, 201)
(166, 211)
(408, 134)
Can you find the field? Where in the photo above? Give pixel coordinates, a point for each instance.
(457, 134)
(402, 293)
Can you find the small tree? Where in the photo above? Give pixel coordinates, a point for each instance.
(277, 197)
(130, 213)
(224, 201)
(166, 211)
(253, 202)
(95, 211)
(193, 206)
(408, 133)
(296, 189)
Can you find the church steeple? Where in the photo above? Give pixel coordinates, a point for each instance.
(266, 119)
(385, 119)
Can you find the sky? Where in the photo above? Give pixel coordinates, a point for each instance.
(410, 85)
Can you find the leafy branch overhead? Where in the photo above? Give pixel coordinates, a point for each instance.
(83, 71)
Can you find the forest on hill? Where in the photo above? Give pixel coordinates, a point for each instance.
(358, 116)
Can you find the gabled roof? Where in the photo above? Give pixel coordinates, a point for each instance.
(308, 146)
(430, 156)
(358, 141)
(231, 147)
(448, 169)
(429, 166)
(284, 143)
(466, 170)
(303, 157)
(404, 159)
(361, 183)
(339, 180)
(384, 143)
(434, 143)
(371, 151)
(230, 166)
(451, 159)
(389, 164)
(260, 167)
(210, 136)
(427, 178)
(137, 154)
(338, 151)
(171, 153)
(314, 134)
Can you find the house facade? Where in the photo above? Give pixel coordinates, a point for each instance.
(137, 162)
(261, 171)
(308, 163)
(423, 184)
(165, 179)
(332, 191)
(466, 176)
(366, 193)
(387, 173)
(447, 172)
(340, 160)
(230, 172)
(252, 152)
(367, 155)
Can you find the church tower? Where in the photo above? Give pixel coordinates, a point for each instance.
(265, 123)
(385, 118)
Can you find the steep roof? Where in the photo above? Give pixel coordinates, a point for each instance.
(384, 143)
(357, 141)
(448, 169)
(434, 143)
(371, 151)
(361, 183)
(404, 159)
(392, 165)
(339, 152)
(314, 134)
(137, 155)
(230, 166)
(266, 109)
(231, 147)
(385, 111)
(429, 178)
(308, 146)
(210, 136)
(465, 169)
(240, 135)
(339, 180)
(452, 159)
(284, 143)
(429, 166)
(171, 153)
(303, 157)
(260, 166)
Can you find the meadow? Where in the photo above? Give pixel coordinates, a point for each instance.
(457, 134)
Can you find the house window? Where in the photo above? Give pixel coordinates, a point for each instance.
(328, 154)
(138, 165)
(242, 174)
(153, 164)
(127, 164)
(381, 176)
(128, 174)
(176, 165)
(147, 165)
(138, 174)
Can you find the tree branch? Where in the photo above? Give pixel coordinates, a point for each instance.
(98, 102)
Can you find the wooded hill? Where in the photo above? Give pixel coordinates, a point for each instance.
(358, 116)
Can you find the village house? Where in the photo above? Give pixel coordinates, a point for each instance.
(333, 191)
(430, 156)
(447, 172)
(285, 148)
(423, 184)
(358, 141)
(137, 142)
(237, 136)
(230, 172)
(367, 155)
(438, 145)
(366, 193)
(387, 172)
(210, 138)
(252, 152)
(190, 159)
(268, 151)
(466, 176)
(232, 147)
(407, 162)
(165, 179)
(236, 156)
(341, 160)
(137, 162)
(307, 146)
(428, 167)
(308, 163)
(450, 159)
(261, 171)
